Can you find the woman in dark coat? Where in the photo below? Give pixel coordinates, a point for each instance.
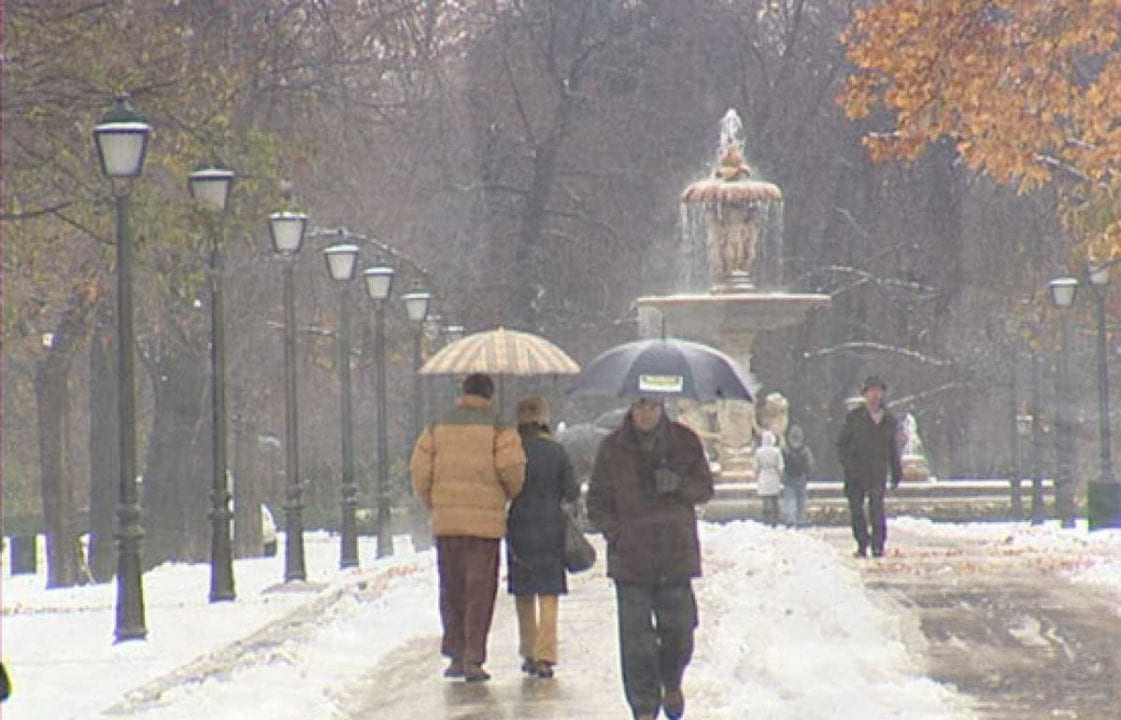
(535, 538)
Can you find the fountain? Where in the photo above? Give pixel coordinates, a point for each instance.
(731, 286)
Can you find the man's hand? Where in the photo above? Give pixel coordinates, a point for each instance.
(666, 481)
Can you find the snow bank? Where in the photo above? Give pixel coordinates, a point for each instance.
(1091, 558)
(792, 630)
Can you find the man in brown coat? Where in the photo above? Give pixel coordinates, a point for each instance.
(466, 468)
(649, 475)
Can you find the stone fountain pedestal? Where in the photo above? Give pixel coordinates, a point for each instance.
(728, 321)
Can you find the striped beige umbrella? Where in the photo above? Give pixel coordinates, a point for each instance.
(501, 352)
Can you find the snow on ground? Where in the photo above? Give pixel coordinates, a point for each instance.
(1092, 558)
(790, 627)
(787, 630)
(58, 644)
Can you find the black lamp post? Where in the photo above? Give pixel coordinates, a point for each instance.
(1063, 291)
(416, 307)
(1036, 438)
(286, 229)
(210, 187)
(379, 284)
(1014, 474)
(1103, 495)
(342, 264)
(122, 141)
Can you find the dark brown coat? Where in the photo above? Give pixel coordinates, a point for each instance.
(650, 539)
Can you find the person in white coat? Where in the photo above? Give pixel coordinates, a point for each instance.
(769, 466)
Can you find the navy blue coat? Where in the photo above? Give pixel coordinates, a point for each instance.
(535, 526)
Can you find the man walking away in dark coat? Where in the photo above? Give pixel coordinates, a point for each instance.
(868, 449)
(535, 538)
(648, 477)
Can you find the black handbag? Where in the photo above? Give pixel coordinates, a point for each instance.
(579, 553)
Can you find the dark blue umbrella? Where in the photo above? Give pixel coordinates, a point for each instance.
(663, 368)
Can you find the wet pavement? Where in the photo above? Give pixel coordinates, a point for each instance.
(1003, 626)
(408, 683)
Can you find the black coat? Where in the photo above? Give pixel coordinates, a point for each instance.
(868, 451)
(535, 526)
(651, 539)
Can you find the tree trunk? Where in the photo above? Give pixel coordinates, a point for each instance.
(104, 462)
(52, 399)
(177, 478)
(248, 494)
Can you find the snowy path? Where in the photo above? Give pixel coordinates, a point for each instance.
(787, 632)
(1000, 620)
(791, 629)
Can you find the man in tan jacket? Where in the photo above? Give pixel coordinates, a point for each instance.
(466, 468)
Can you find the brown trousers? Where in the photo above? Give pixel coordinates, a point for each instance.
(468, 585)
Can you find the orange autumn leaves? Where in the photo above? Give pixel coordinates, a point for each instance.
(1029, 90)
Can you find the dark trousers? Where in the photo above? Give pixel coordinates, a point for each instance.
(857, 494)
(656, 624)
(468, 585)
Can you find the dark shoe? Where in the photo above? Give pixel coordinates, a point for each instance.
(674, 704)
(529, 666)
(454, 669)
(860, 553)
(878, 553)
(473, 672)
(544, 669)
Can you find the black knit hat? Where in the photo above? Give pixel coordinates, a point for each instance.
(874, 381)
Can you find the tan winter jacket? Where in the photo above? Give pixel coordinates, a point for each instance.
(466, 468)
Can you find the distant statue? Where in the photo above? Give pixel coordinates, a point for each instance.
(733, 232)
(737, 430)
(912, 452)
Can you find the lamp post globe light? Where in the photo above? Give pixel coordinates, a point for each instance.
(286, 230)
(379, 285)
(342, 266)
(121, 139)
(210, 187)
(417, 305)
(1103, 495)
(1063, 292)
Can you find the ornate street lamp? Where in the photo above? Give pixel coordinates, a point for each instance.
(1063, 292)
(379, 284)
(286, 230)
(1104, 495)
(417, 305)
(121, 139)
(342, 264)
(210, 187)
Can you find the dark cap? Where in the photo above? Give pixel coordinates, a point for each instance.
(478, 384)
(874, 381)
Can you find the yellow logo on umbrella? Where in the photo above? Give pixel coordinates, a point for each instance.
(661, 383)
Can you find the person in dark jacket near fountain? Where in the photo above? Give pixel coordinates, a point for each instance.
(535, 538)
(649, 475)
(868, 449)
